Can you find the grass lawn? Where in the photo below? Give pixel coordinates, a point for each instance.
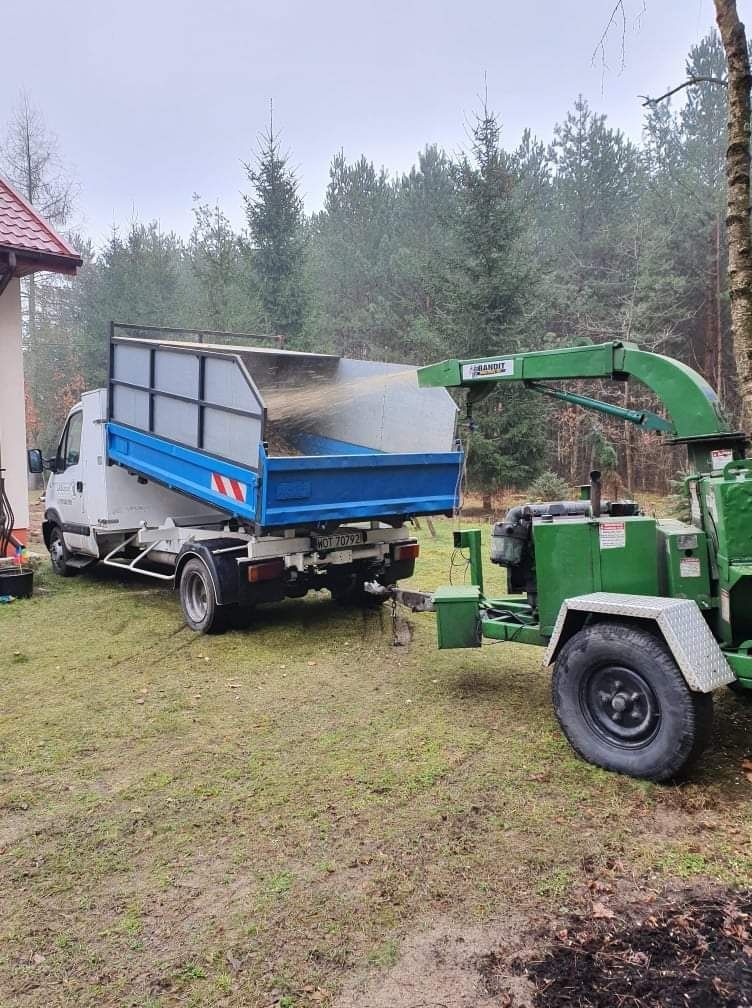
(267, 817)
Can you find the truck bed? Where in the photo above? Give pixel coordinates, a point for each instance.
(193, 419)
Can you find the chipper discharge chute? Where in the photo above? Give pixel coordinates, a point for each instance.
(248, 474)
(642, 618)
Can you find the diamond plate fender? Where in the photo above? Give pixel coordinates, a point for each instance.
(695, 649)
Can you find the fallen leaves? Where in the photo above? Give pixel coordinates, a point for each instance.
(601, 912)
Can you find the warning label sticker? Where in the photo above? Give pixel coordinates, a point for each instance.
(488, 369)
(690, 567)
(612, 535)
(721, 457)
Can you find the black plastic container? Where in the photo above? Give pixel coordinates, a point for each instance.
(19, 584)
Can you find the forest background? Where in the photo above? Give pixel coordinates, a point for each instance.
(584, 237)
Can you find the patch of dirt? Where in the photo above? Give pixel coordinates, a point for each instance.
(450, 967)
(695, 952)
(691, 948)
(36, 517)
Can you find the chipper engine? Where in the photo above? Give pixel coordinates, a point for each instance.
(641, 618)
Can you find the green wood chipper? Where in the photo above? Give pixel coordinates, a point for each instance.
(642, 618)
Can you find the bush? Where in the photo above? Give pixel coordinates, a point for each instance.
(549, 486)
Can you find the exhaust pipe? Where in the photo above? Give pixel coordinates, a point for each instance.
(595, 493)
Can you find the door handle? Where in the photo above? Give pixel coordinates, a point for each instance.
(79, 487)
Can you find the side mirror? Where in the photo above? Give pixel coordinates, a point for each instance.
(36, 462)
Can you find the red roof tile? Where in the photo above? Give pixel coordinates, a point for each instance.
(22, 230)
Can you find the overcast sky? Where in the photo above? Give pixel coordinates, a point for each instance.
(153, 100)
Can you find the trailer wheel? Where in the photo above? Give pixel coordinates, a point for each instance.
(59, 555)
(199, 600)
(624, 705)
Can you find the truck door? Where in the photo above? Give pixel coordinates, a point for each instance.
(70, 499)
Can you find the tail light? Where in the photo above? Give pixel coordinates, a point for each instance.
(407, 551)
(267, 570)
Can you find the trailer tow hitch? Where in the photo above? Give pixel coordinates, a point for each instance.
(416, 601)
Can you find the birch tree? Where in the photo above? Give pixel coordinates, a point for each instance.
(737, 200)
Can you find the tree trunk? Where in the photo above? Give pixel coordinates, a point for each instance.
(737, 211)
(628, 456)
(718, 313)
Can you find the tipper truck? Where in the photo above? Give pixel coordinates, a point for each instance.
(243, 475)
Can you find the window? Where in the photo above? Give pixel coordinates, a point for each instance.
(70, 442)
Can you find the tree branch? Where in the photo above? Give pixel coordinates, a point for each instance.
(687, 83)
(618, 9)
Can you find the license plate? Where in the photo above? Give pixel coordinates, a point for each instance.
(338, 540)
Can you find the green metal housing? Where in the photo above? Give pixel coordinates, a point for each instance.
(708, 560)
(458, 616)
(587, 555)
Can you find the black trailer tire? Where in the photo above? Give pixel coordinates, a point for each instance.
(198, 599)
(624, 705)
(59, 555)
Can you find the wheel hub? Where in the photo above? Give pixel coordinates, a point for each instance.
(620, 705)
(196, 600)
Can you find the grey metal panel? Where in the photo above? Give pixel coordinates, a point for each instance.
(131, 364)
(175, 419)
(383, 408)
(368, 403)
(225, 385)
(232, 436)
(176, 372)
(130, 406)
(684, 629)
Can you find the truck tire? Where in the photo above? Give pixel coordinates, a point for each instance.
(624, 705)
(199, 600)
(59, 555)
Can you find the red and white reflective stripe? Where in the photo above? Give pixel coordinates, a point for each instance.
(229, 487)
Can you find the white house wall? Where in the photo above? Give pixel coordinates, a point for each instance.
(12, 410)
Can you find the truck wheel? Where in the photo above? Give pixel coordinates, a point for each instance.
(59, 555)
(199, 601)
(623, 704)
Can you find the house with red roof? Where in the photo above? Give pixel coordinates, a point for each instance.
(27, 245)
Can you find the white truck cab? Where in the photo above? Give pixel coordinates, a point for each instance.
(90, 504)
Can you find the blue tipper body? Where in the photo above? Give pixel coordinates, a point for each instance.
(354, 484)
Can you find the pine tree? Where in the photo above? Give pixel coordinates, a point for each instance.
(350, 261)
(274, 210)
(224, 297)
(593, 219)
(423, 256)
(686, 153)
(494, 289)
(494, 270)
